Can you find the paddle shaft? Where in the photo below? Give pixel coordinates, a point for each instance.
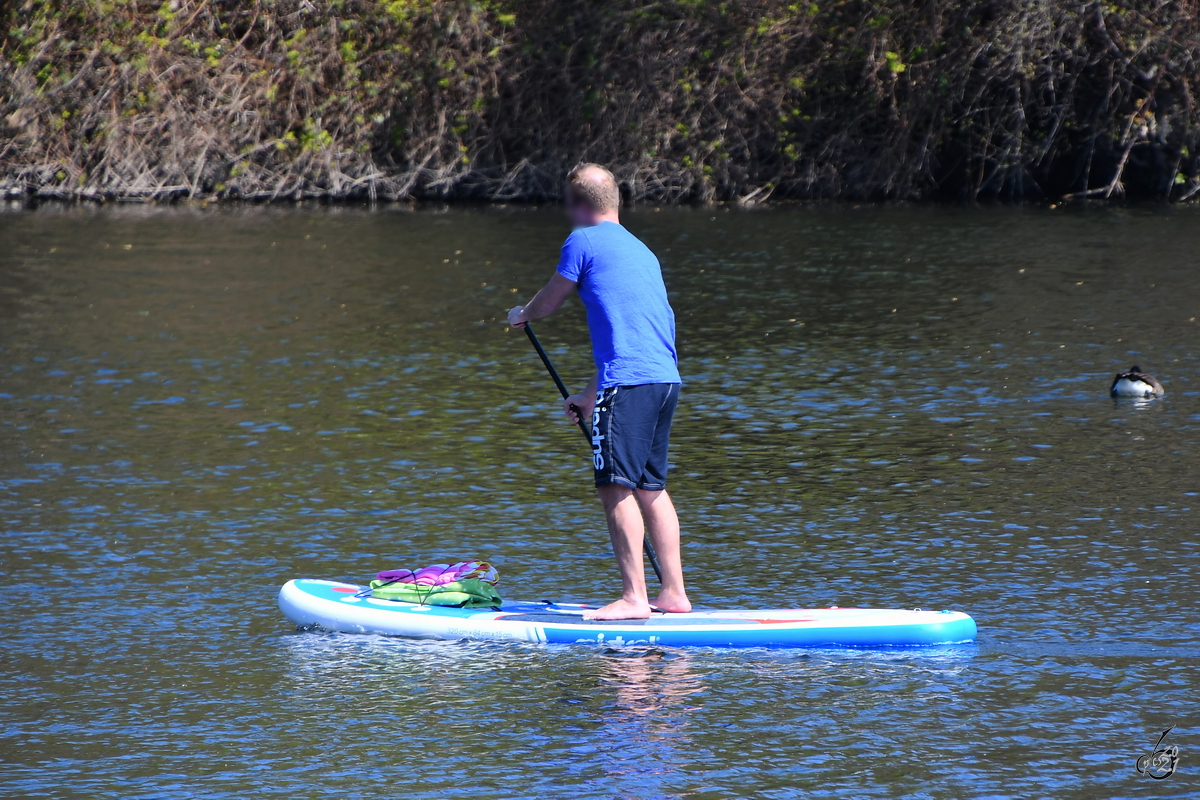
(562, 388)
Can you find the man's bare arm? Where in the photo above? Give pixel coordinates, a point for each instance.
(544, 303)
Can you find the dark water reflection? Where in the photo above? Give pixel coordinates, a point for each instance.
(899, 407)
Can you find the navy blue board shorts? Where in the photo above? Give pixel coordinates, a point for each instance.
(631, 429)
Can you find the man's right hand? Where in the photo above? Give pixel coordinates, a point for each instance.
(585, 403)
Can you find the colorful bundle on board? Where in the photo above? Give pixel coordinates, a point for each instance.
(466, 584)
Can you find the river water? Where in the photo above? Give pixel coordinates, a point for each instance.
(896, 407)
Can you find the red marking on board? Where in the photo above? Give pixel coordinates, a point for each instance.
(345, 589)
(769, 621)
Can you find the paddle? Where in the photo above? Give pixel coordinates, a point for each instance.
(562, 388)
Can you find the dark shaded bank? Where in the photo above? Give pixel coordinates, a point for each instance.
(686, 99)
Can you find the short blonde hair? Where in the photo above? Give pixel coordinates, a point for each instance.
(594, 185)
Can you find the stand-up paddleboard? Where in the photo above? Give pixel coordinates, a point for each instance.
(338, 606)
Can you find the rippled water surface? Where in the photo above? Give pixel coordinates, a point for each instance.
(886, 407)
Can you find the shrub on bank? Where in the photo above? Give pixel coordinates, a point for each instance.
(686, 99)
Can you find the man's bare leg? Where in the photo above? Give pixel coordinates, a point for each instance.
(663, 525)
(626, 530)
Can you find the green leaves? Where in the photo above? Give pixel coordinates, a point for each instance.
(313, 137)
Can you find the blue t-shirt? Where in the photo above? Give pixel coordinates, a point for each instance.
(621, 285)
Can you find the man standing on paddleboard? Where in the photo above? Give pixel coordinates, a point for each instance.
(631, 398)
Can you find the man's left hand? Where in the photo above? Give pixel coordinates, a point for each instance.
(517, 317)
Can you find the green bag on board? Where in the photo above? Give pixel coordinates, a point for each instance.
(467, 593)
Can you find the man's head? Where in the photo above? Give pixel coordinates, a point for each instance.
(592, 196)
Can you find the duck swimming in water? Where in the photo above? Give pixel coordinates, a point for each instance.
(1135, 383)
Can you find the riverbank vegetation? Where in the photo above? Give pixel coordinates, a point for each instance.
(686, 99)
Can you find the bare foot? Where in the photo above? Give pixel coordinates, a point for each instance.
(674, 603)
(621, 609)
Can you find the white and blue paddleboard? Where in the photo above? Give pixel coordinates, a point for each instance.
(338, 606)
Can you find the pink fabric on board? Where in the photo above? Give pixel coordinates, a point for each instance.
(442, 574)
